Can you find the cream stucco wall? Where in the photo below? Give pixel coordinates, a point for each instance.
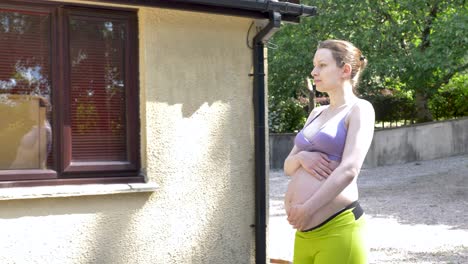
(197, 145)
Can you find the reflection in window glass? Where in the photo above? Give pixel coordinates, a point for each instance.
(25, 131)
(98, 114)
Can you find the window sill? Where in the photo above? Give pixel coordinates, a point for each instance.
(19, 193)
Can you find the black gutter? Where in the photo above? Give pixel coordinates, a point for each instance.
(259, 9)
(265, 6)
(260, 134)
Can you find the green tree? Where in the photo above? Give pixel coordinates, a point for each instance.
(451, 99)
(413, 46)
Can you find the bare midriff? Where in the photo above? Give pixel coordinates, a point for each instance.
(303, 185)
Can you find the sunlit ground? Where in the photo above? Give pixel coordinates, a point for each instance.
(393, 242)
(417, 213)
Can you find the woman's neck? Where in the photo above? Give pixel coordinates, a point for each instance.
(342, 96)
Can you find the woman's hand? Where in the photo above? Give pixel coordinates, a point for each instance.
(298, 216)
(316, 164)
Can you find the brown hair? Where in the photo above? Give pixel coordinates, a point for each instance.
(345, 52)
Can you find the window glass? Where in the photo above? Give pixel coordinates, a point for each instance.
(68, 94)
(25, 90)
(98, 114)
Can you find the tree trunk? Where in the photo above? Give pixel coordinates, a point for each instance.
(423, 114)
(311, 89)
(311, 101)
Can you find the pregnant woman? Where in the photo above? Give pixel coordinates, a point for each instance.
(322, 197)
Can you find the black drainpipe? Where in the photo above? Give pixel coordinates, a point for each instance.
(259, 102)
(260, 137)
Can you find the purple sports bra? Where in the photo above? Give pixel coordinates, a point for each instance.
(329, 139)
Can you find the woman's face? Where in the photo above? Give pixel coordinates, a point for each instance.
(327, 76)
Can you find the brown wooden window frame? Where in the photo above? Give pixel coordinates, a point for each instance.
(64, 170)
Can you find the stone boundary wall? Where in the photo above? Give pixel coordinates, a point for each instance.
(396, 145)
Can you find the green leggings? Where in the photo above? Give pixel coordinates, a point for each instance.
(338, 241)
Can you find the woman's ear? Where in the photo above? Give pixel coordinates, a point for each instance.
(347, 69)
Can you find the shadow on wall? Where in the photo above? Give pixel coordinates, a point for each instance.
(202, 165)
(199, 141)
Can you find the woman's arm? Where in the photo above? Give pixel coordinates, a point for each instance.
(315, 163)
(291, 163)
(358, 140)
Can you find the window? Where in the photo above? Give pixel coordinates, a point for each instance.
(68, 95)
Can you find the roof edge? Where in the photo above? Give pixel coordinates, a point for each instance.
(259, 9)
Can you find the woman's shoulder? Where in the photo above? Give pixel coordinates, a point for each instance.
(317, 110)
(359, 109)
(362, 110)
(363, 105)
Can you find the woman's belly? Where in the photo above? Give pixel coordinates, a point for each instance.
(303, 185)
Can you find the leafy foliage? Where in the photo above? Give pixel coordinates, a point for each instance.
(414, 47)
(452, 99)
(392, 108)
(286, 115)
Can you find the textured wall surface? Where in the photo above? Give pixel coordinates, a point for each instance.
(396, 145)
(197, 145)
(199, 116)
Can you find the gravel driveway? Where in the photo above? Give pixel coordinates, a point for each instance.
(417, 212)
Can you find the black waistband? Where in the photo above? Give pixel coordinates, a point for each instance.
(357, 211)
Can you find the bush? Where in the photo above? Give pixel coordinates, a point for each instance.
(392, 108)
(451, 99)
(286, 115)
